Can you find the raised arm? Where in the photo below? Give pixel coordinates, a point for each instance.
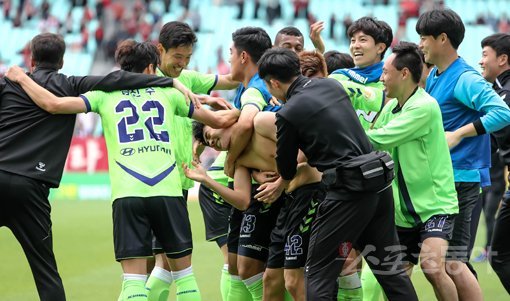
(118, 80)
(216, 119)
(241, 135)
(44, 98)
(225, 82)
(315, 35)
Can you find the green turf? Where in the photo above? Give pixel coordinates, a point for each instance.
(84, 250)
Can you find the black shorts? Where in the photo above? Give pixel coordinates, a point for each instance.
(157, 248)
(467, 194)
(411, 239)
(251, 229)
(216, 214)
(234, 227)
(135, 219)
(291, 236)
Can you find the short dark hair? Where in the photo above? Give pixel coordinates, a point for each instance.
(312, 62)
(198, 132)
(48, 50)
(174, 34)
(279, 63)
(290, 31)
(500, 42)
(435, 22)
(407, 55)
(380, 31)
(254, 40)
(338, 60)
(135, 57)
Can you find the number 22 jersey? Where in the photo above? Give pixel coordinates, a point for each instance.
(137, 125)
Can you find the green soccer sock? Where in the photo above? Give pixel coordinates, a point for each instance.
(287, 296)
(187, 288)
(349, 288)
(372, 291)
(238, 290)
(158, 284)
(133, 287)
(254, 286)
(224, 283)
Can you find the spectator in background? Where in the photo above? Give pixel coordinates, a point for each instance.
(273, 11)
(503, 24)
(68, 24)
(7, 9)
(195, 19)
(301, 8)
(99, 35)
(45, 9)
(84, 32)
(347, 23)
(256, 10)
(240, 5)
(337, 60)
(332, 24)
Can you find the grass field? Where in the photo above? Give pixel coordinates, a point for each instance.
(84, 249)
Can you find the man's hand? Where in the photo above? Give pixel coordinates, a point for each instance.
(270, 192)
(315, 35)
(190, 96)
(198, 148)
(15, 74)
(274, 102)
(453, 139)
(216, 103)
(264, 176)
(197, 174)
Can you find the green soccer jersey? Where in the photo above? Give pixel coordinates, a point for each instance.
(414, 136)
(367, 100)
(216, 171)
(137, 125)
(182, 131)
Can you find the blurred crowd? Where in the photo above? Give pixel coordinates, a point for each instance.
(118, 20)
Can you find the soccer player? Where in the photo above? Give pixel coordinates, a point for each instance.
(312, 64)
(410, 127)
(338, 60)
(176, 42)
(289, 239)
(33, 150)
(145, 184)
(290, 37)
(316, 113)
(470, 109)
(249, 43)
(370, 38)
(496, 70)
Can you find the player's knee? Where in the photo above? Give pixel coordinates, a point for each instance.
(294, 283)
(273, 278)
(434, 275)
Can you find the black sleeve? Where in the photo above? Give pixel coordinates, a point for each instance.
(503, 136)
(118, 80)
(286, 148)
(2, 83)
